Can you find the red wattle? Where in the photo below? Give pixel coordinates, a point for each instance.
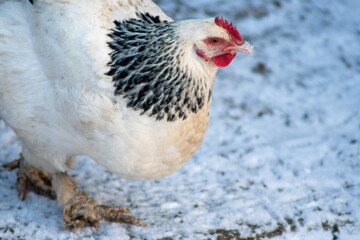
(223, 60)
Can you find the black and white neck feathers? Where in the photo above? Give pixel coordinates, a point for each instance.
(150, 72)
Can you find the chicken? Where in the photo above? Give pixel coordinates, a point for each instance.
(116, 80)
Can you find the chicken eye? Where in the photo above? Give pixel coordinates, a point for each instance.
(214, 40)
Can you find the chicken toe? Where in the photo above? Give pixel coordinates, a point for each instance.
(115, 214)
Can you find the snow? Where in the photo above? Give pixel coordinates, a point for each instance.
(281, 159)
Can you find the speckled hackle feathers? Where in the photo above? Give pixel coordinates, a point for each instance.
(233, 32)
(153, 81)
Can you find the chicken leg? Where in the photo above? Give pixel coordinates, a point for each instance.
(80, 210)
(29, 177)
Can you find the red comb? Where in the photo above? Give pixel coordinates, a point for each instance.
(232, 31)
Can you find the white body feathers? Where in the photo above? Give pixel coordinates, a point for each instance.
(55, 95)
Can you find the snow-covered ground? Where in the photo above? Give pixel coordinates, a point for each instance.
(281, 159)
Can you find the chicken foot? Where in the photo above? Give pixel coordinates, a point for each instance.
(80, 210)
(29, 177)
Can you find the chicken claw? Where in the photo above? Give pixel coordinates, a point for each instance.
(31, 178)
(11, 165)
(81, 210)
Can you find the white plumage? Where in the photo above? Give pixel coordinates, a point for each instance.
(56, 96)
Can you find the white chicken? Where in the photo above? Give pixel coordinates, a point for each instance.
(116, 80)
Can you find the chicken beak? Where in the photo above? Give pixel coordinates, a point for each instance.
(243, 47)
